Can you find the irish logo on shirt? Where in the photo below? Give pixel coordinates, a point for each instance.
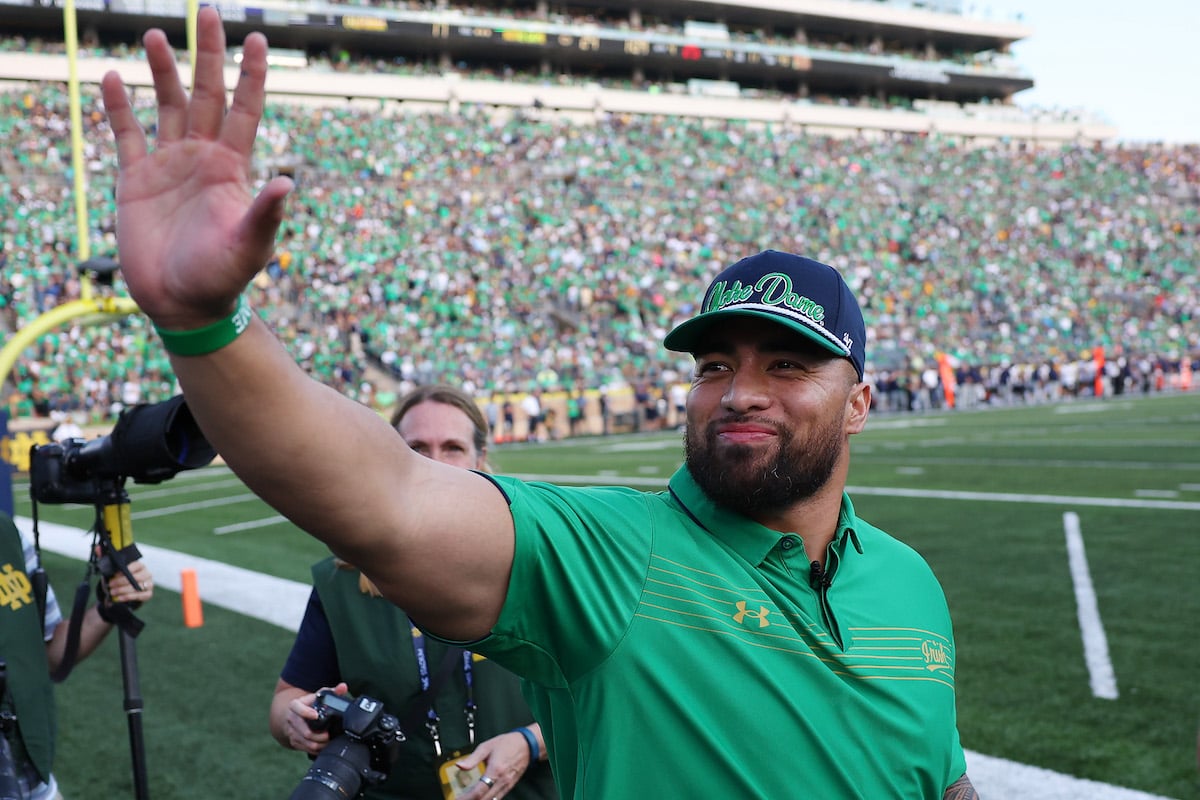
(15, 589)
(937, 656)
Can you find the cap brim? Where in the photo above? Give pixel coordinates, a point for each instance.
(687, 335)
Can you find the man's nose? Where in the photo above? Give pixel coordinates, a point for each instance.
(747, 391)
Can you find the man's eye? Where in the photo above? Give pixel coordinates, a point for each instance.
(787, 363)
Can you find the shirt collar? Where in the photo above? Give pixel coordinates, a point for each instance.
(747, 538)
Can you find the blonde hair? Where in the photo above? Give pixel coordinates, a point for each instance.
(447, 396)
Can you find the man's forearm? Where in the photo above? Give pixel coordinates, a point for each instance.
(435, 539)
(291, 439)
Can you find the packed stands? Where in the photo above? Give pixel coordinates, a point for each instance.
(503, 250)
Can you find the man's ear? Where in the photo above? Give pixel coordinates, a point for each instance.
(858, 406)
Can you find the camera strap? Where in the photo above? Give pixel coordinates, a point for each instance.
(73, 626)
(37, 578)
(40, 584)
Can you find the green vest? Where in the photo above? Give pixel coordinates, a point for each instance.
(376, 657)
(30, 693)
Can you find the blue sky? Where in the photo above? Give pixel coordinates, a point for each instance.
(1136, 62)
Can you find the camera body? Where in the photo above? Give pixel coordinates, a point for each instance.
(365, 741)
(55, 478)
(149, 444)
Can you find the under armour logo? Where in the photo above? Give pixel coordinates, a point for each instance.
(743, 612)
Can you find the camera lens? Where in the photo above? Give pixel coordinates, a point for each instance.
(338, 771)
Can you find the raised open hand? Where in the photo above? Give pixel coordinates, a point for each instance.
(190, 231)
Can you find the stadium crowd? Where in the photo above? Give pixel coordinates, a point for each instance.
(510, 252)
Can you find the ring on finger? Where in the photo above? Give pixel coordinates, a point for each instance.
(486, 781)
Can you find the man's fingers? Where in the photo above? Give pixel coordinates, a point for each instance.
(168, 89)
(241, 123)
(261, 222)
(206, 113)
(131, 141)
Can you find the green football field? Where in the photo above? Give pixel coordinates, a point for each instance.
(1066, 537)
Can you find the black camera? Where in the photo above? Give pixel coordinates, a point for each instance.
(365, 743)
(149, 444)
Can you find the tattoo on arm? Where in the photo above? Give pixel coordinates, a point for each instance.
(961, 789)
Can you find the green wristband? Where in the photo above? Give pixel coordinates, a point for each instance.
(210, 338)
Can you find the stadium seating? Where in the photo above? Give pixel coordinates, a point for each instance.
(489, 249)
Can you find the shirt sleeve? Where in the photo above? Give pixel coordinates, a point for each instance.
(580, 549)
(312, 664)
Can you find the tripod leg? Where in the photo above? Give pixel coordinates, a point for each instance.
(133, 714)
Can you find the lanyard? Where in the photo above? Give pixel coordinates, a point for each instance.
(432, 720)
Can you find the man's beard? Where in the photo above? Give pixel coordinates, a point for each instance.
(755, 483)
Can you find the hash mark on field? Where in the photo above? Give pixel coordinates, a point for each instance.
(1095, 643)
(175, 491)
(246, 526)
(184, 507)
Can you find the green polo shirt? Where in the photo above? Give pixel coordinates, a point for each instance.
(675, 649)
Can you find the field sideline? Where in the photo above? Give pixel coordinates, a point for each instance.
(1029, 515)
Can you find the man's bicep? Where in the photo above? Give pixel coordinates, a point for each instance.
(447, 556)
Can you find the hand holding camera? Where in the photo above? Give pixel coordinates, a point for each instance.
(364, 742)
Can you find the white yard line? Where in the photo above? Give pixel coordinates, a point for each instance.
(167, 511)
(1045, 499)
(1001, 779)
(1095, 644)
(265, 522)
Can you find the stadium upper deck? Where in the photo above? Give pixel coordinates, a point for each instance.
(847, 65)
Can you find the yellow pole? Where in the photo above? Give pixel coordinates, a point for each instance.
(83, 250)
(97, 309)
(105, 307)
(193, 8)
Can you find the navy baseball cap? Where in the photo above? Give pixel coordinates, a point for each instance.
(803, 295)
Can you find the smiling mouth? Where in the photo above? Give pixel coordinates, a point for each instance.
(745, 435)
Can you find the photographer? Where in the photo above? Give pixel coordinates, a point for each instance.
(33, 648)
(352, 639)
